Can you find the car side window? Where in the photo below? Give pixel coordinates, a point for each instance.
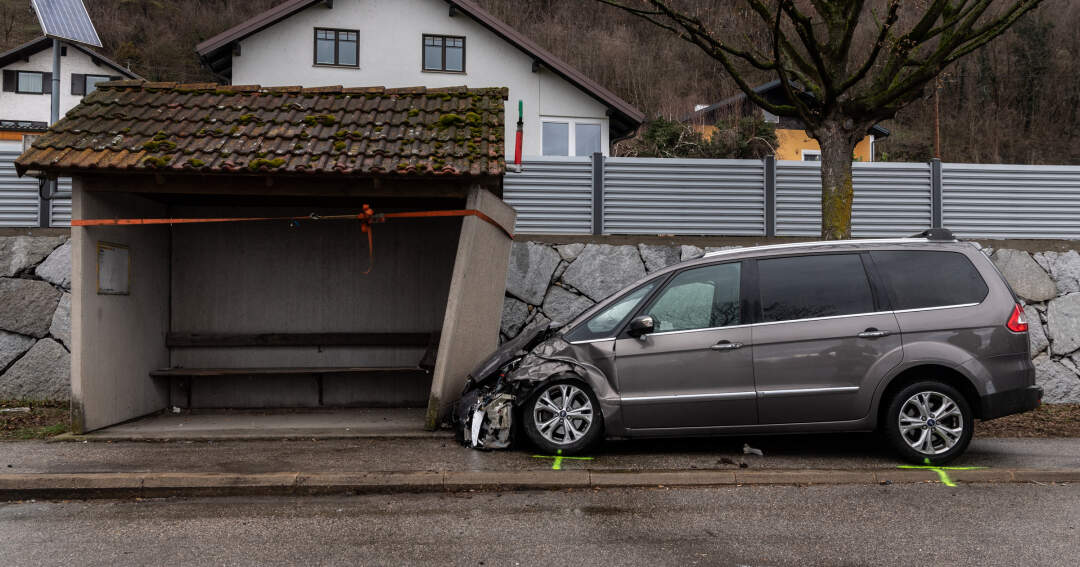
(805, 287)
(699, 298)
(605, 323)
(918, 279)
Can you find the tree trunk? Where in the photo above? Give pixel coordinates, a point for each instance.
(837, 147)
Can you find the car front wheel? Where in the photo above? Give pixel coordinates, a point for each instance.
(929, 423)
(563, 418)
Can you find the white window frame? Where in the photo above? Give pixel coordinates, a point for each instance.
(811, 153)
(572, 127)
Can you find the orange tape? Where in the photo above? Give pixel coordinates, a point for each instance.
(367, 217)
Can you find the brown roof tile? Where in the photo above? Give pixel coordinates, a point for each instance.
(186, 128)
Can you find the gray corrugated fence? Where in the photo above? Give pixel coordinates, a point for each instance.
(552, 195)
(891, 199)
(19, 203)
(683, 196)
(730, 197)
(1011, 201)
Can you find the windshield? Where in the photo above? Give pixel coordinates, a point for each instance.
(604, 324)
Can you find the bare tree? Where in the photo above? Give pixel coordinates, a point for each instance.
(836, 90)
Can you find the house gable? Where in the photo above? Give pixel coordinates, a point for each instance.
(277, 48)
(36, 56)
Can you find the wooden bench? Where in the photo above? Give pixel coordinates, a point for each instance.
(234, 340)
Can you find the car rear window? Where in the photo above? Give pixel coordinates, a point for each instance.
(805, 287)
(917, 279)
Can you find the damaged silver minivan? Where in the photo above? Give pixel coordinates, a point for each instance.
(914, 337)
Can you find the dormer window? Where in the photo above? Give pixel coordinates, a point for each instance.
(338, 48)
(444, 53)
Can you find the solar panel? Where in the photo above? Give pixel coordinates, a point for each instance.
(66, 20)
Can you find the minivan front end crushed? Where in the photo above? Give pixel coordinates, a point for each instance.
(484, 416)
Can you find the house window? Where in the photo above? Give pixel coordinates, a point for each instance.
(571, 137)
(30, 82)
(337, 47)
(770, 117)
(93, 80)
(811, 155)
(444, 53)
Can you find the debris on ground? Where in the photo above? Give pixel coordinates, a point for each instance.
(748, 450)
(1048, 420)
(15, 410)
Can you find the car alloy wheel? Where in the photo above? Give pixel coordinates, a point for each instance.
(931, 422)
(563, 414)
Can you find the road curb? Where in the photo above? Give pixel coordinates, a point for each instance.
(177, 484)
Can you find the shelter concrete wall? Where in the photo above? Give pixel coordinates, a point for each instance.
(270, 278)
(117, 339)
(474, 304)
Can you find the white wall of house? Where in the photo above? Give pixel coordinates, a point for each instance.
(390, 54)
(21, 106)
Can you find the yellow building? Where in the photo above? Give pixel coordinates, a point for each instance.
(794, 141)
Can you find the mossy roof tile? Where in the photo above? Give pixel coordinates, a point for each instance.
(139, 126)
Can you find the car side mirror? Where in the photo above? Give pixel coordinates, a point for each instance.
(641, 325)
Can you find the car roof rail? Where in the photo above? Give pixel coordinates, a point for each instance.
(937, 233)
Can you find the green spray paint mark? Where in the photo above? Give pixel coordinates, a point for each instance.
(944, 476)
(557, 465)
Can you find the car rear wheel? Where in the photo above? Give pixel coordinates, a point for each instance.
(563, 418)
(929, 423)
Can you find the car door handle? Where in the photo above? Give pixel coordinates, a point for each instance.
(726, 345)
(872, 333)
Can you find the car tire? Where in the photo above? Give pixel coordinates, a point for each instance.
(563, 418)
(929, 423)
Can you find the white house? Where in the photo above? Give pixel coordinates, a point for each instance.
(432, 43)
(25, 100)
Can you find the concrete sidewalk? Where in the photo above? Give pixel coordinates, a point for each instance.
(207, 425)
(319, 466)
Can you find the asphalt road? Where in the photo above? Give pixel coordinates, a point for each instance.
(849, 451)
(920, 524)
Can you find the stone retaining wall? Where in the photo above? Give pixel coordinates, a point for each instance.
(558, 281)
(545, 281)
(35, 318)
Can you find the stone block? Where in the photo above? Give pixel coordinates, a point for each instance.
(12, 346)
(43, 373)
(20, 252)
(514, 315)
(603, 269)
(56, 269)
(530, 270)
(1025, 275)
(563, 306)
(1063, 324)
(27, 306)
(659, 257)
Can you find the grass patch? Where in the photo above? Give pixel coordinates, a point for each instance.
(44, 420)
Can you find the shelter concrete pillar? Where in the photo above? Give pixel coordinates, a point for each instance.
(470, 329)
(116, 340)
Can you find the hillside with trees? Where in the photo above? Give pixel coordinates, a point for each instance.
(1015, 101)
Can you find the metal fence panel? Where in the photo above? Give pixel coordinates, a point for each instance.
(1011, 201)
(61, 207)
(18, 195)
(891, 199)
(551, 195)
(684, 196)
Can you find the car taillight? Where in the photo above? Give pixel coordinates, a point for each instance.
(1018, 320)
